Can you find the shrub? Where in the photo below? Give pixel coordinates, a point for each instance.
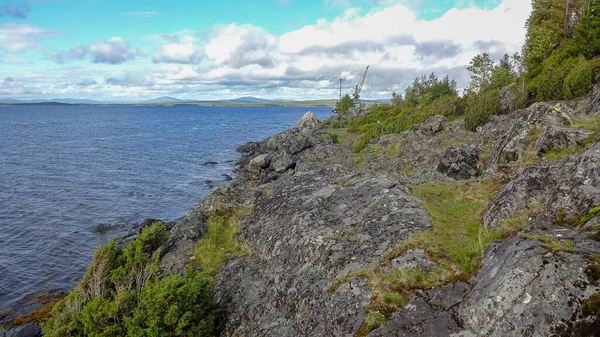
(579, 80)
(120, 295)
(480, 107)
(174, 306)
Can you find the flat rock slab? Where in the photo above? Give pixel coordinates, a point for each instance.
(318, 225)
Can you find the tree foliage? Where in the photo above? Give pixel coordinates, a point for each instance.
(343, 105)
(559, 32)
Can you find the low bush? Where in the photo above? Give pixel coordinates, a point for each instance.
(579, 80)
(121, 295)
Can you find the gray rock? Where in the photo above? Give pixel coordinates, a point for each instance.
(281, 162)
(432, 125)
(259, 162)
(531, 181)
(521, 290)
(27, 330)
(508, 98)
(459, 162)
(318, 226)
(177, 252)
(308, 120)
(414, 259)
(559, 138)
(418, 319)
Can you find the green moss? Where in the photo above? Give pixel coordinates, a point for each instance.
(592, 305)
(551, 243)
(593, 269)
(408, 170)
(529, 156)
(221, 239)
(342, 136)
(590, 214)
(372, 321)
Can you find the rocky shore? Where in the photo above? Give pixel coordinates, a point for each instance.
(346, 244)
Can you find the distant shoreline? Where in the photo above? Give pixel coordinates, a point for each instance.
(316, 103)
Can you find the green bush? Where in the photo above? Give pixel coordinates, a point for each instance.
(120, 295)
(343, 106)
(480, 107)
(174, 306)
(579, 80)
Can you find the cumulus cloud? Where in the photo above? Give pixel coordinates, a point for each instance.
(17, 38)
(8, 79)
(14, 10)
(177, 48)
(113, 51)
(237, 60)
(237, 46)
(392, 40)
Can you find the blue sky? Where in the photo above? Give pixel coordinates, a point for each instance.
(130, 50)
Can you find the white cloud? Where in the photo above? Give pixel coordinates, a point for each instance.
(177, 48)
(115, 50)
(237, 60)
(17, 38)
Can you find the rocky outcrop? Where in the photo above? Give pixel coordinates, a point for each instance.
(459, 162)
(559, 138)
(308, 120)
(522, 290)
(431, 126)
(317, 226)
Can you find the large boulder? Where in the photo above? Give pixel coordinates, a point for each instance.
(531, 181)
(431, 126)
(459, 162)
(308, 120)
(522, 290)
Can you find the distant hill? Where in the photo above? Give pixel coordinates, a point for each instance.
(162, 100)
(250, 100)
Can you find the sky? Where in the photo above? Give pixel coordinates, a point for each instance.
(115, 50)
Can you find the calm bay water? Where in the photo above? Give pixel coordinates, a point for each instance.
(65, 169)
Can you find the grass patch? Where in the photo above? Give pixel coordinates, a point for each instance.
(456, 243)
(593, 269)
(372, 321)
(221, 239)
(455, 210)
(590, 215)
(592, 305)
(529, 157)
(408, 170)
(551, 243)
(342, 136)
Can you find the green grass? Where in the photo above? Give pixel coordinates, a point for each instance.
(221, 239)
(456, 243)
(529, 157)
(588, 123)
(551, 243)
(455, 210)
(342, 136)
(590, 214)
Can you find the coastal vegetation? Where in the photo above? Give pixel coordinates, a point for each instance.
(122, 295)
